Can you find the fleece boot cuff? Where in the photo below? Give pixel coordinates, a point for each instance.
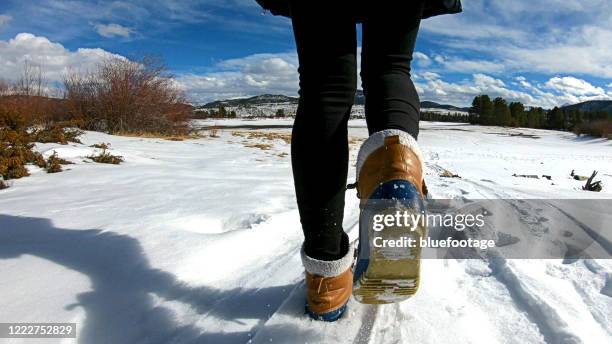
(326, 268)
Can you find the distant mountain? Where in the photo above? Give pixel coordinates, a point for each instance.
(281, 99)
(591, 105)
(256, 100)
(433, 105)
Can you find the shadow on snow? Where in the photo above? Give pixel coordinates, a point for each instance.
(120, 308)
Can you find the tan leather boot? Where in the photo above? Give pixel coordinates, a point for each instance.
(329, 286)
(389, 179)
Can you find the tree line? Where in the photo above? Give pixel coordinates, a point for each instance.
(499, 112)
(456, 117)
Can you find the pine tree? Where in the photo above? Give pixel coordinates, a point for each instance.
(501, 112)
(556, 119)
(517, 111)
(222, 113)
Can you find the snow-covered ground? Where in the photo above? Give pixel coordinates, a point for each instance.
(198, 242)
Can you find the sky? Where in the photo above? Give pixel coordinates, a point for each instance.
(542, 53)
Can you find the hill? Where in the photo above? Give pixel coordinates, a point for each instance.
(433, 105)
(282, 99)
(256, 100)
(591, 106)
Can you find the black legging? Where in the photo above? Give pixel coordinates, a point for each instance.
(326, 42)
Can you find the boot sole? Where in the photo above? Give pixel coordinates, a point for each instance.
(391, 275)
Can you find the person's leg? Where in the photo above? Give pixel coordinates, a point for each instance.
(389, 36)
(326, 43)
(389, 162)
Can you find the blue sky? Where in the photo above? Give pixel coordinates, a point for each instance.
(545, 52)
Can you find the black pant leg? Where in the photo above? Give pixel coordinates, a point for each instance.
(389, 36)
(325, 36)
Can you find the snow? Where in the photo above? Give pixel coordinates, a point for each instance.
(198, 241)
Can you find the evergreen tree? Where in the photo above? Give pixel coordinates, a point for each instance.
(475, 111)
(222, 112)
(556, 119)
(517, 111)
(575, 118)
(476, 106)
(482, 110)
(501, 112)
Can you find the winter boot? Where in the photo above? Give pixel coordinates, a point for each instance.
(328, 285)
(389, 182)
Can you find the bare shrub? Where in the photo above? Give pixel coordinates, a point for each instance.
(60, 132)
(16, 146)
(29, 96)
(128, 96)
(106, 158)
(5, 88)
(599, 128)
(54, 163)
(33, 81)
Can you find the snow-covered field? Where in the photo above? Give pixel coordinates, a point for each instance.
(198, 242)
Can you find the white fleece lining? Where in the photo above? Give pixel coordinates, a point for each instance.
(326, 268)
(377, 140)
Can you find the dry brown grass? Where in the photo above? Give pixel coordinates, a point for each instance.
(449, 174)
(262, 136)
(262, 146)
(163, 136)
(355, 141)
(266, 135)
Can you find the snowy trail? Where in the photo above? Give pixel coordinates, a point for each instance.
(198, 241)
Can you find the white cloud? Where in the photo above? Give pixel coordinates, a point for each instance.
(250, 75)
(421, 59)
(526, 36)
(439, 58)
(5, 19)
(574, 86)
(54, 58)
(472, 66)
(112, 30)
(429, 75)
(462, 93)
